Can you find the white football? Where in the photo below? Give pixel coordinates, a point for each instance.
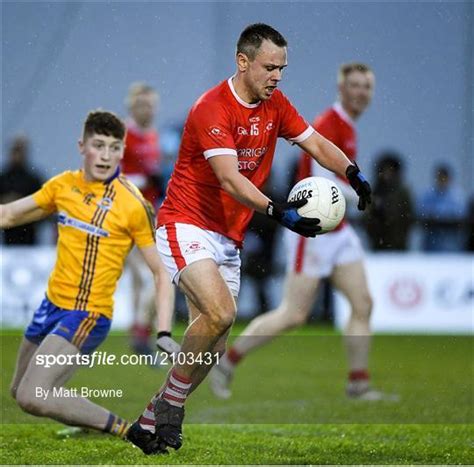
(325, 201)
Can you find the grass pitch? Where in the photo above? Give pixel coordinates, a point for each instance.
(288, 407)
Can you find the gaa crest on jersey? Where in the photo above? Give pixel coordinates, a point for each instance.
(269, 126)
(88, 197)
(215, 131)
(105, 204)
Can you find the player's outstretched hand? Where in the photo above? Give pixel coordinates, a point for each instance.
(287, 215)
(360, 184)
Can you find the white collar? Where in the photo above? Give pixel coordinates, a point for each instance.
(238, 99)
(337, 106)
(131, 124)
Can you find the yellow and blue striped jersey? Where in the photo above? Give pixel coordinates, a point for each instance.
(98, 223)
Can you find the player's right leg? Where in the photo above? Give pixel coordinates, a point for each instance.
(217, 352)
(293, 311)
(191, 255)
(207, 290)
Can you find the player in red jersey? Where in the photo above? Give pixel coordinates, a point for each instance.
(141, 159)
(141, 165)
(337, 255)
(225, 157)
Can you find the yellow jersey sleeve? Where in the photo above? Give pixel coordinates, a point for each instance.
(142, 224)
(45, 197)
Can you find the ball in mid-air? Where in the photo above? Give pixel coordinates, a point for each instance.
(325, 201)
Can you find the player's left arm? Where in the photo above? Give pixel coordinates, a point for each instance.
(164, 289)
(332, 158)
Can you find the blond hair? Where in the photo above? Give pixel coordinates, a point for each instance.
(347, 68)
(138, 88)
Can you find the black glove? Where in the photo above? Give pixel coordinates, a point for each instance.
(286, 214)
(360, 184)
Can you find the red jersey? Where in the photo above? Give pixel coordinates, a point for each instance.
(336, 126)
(141, 159)
(221, 123)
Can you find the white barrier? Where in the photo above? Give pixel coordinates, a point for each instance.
(412, 292)
(25, 272)
(432, 293)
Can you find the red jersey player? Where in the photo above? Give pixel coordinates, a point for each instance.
(141, 164)
(225, 157)
(337, 255)
(142, 154)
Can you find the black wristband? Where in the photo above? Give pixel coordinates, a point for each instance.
(163, 334)
(351, 170)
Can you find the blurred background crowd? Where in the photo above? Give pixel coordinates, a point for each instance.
(435, 218)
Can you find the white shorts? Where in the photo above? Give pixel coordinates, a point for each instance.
(317, 257)
(180, 245)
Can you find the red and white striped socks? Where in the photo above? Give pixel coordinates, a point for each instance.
(175, 393)
(176, 389)
(147, 418)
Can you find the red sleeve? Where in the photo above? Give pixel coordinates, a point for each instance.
(211, 128)
(326, 127)
(293, 126)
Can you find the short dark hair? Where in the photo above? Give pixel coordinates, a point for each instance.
(443, 170)
(252, 37)
(105, 123)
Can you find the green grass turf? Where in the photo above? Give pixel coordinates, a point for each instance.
(288, 407)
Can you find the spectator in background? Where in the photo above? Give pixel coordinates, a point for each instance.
(17, 180)
(390, 216)
(141, 164)
(442, 211)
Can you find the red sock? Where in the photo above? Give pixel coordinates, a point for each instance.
(140, 331)
(359, 375)
(147, 418)
(233, 356)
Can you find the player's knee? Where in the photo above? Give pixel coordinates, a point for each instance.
(291, 318)
(363, 308)
(222, 322)
(221, 318)
(29, 403)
